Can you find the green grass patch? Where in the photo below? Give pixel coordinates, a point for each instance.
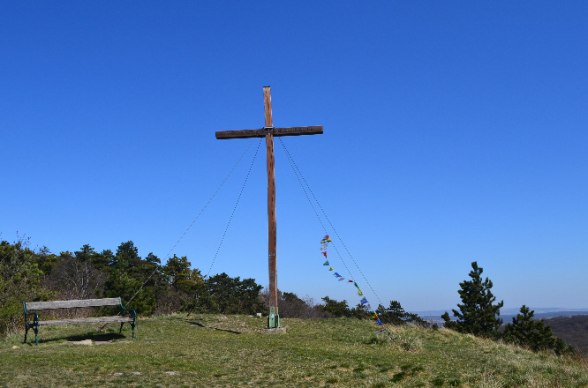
(216, 350)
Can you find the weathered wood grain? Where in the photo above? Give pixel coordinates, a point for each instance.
(298, 131)
(267, 106)
(271, 202)
(70, 304)
(290, 131)
(88, 320)
(240, 134)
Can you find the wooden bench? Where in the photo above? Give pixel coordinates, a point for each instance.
(31, 309)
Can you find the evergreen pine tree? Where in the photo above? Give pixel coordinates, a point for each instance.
(534, 334)
(396, 315)
(478, 314)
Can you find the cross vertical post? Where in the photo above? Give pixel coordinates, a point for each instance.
(273, 317)
(269, 131)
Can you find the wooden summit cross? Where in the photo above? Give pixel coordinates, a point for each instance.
(269, 131)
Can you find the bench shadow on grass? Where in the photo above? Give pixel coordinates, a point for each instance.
(97, 338)
(200, 324)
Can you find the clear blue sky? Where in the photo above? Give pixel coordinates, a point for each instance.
(454, 131)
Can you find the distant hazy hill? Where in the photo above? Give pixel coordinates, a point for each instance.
(573, 330)
(508, 313)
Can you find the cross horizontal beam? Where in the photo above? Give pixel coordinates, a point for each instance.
(292, 131)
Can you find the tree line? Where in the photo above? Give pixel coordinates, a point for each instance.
(150, 287)
(147, 285)
(143, 283)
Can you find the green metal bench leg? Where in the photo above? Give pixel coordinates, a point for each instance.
(134, 323)
(121, 326)
(26, 320)
(36, 328)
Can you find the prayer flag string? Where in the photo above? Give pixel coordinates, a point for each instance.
(364, 302)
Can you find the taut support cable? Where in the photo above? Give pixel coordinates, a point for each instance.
(309, 193)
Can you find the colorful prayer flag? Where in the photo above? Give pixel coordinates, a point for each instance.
(364, 302)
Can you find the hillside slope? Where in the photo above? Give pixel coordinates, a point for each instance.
(208, 350)
(573, 330)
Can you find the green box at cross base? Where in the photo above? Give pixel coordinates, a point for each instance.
(273, 319)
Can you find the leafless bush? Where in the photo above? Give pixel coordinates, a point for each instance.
(72, 278)
(291, 306)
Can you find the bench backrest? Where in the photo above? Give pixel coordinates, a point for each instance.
(70, 304)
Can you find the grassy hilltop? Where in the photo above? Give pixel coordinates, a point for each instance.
(215, 350)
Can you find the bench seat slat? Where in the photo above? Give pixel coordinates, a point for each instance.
(90, 320)
(69, 304)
